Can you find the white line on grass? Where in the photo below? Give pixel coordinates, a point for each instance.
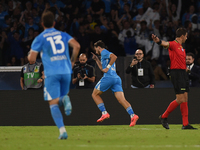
(141, 146)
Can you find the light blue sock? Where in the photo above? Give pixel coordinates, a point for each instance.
(56, 115)
(101, 107)
(130, 111)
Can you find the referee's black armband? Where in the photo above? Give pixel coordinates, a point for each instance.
(159, 43)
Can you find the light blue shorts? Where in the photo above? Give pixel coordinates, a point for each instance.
(115, 84)
(56, 86)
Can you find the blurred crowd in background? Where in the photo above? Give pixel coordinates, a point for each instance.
(124, 25)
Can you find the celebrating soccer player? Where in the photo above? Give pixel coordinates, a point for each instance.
(110, 80)
(53, 45)
(178, 75)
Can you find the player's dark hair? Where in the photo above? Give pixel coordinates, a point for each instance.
(48, 19)
(180, 32)
(100, 43)
(190, 54)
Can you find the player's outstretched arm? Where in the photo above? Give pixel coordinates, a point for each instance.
(159, 42)
(76, 48)
(97, 60)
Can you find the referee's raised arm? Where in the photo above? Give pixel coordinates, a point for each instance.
(159, 42)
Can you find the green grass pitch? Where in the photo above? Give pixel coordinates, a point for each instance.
(112, 137)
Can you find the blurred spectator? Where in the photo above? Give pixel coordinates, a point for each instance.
(3, 13)
(140, 10)
(128, 15)
(91, 23)
(6, 25)
(108, 4)
(173, 11)
(4, 48)
(143, 31)
(97, 8)
(75, 25)
(36, 17)
(39, 5)
(28, 25)
(193, 71)
(122, 34)
(10, 8)
(158, 72)
(26, 42)
(152, 14)
(56, 3)
(187, 16)
(130, 45)
(16, 46)
(28, 11)
(96, 36)
(84, 40)
(194, 22)
(112, 39)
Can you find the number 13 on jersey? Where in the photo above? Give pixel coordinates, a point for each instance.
(56, 42)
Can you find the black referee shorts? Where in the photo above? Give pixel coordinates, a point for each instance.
(180, 80)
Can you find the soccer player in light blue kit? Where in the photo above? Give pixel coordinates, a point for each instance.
(110, 80)
(53, 46)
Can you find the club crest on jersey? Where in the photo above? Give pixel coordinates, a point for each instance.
(36, 69)
(24, 70)
(182, 48)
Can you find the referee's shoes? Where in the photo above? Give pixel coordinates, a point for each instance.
(164, 122)
(188, 127)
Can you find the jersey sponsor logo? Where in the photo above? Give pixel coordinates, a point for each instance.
(62, 57)
(182, 89)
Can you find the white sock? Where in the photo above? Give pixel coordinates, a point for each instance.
(104, 112)
(62, 130)
(132, 115)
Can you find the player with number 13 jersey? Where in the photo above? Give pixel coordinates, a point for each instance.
(57, 60)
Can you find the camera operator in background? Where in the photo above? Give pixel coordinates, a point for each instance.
(141, 71)
(192, 70)
(84, 74)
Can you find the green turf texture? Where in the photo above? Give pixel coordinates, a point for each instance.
(115, 137)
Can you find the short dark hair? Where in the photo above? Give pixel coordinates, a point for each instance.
(48, 19)
(190, 54)
(180, 32)
(100, 43)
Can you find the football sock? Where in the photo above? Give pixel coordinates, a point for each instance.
(170, 108)
(130, 111)
(184, 112)
(62, 130)
(56, 115)
(102, 108)
(60, 101)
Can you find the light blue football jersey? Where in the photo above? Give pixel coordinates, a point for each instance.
(105, 59)
(53, 45)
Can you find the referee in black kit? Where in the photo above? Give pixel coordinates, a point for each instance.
(178, 75)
